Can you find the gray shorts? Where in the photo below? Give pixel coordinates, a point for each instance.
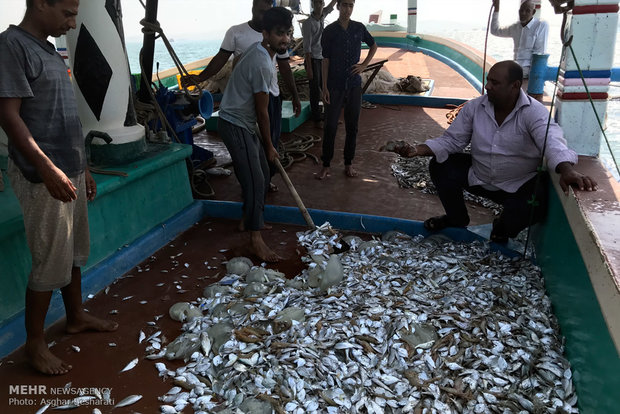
(56, 232)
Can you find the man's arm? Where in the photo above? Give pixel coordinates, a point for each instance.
(56, 182)
(287, 75)
(360, 67)
(495, 29)
(324, 73)
(215, 65)
(420, 150)
(261, 104)
(329, 8)
(559, 157)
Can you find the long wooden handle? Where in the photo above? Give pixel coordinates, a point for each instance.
(291, 188)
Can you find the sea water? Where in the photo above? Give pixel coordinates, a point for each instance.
(189, 50)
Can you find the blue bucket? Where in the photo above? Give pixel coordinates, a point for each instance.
(205, 105)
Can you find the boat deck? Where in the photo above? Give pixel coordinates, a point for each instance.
(181, 270)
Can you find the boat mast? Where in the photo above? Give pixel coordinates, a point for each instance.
(412, 21)
(148, 49)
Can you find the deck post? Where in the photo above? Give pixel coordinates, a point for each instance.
(148, 48)
(593, 27)
(412, 19)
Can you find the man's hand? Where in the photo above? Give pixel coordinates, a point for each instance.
(58, 184)
(358, 68)
(408, 151)
(190, 80)
(326, 96)
(576, 179)
(271, 153)
(297, 107)
(91, 186)
(570, 177)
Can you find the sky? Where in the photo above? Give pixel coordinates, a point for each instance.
(183, 19)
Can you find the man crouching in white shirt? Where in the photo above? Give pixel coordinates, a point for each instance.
(506, 129)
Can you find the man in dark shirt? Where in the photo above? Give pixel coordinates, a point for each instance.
(342, 83)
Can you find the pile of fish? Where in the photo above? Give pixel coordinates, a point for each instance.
(413, 173)
(390, 325)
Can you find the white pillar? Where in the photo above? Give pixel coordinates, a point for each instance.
(593, 25)
(100, 74)
(412, 19)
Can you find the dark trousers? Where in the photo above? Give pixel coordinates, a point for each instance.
(250, 165)
(450, 179)
(351, 99)
(315, 89)
(275, 126)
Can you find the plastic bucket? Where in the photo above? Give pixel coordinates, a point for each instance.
(205, 105)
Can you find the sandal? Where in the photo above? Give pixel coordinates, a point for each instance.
(439, 223)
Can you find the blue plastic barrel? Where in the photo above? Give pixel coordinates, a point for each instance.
(538, 70)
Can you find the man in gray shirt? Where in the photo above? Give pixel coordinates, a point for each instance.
(245, 102)
(311, 30)
(48, 171)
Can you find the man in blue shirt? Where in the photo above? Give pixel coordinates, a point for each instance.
(342, 83)
(246, 102)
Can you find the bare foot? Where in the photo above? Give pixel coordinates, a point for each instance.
(349, 171)
(43, 360)
(323, 174)
(260, 249)
(86, 322)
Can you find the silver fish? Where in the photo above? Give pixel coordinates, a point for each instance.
(43, 409)
(131, 365)
(132, 399)
(415, 325)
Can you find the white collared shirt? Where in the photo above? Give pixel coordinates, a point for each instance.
(527, 40)
(503, 156)
(239, 38)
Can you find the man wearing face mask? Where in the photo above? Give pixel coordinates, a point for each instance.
(529, 34)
